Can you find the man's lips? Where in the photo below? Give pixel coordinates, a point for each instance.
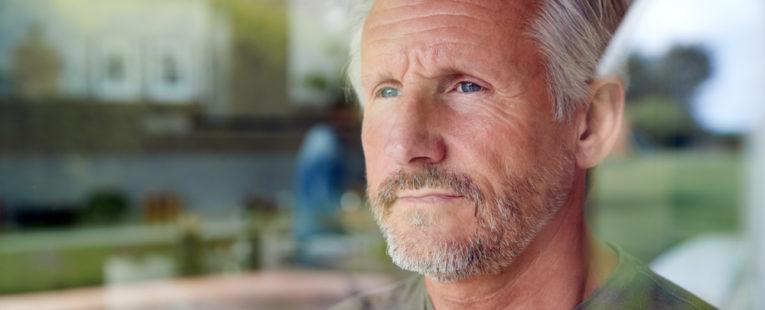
(429, 198)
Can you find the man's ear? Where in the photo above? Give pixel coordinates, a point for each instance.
(599, 125)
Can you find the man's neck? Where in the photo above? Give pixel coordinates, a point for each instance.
(559, 269)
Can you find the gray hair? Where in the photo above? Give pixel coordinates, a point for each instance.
(572, 35)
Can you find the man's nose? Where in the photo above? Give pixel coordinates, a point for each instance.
(415, 138)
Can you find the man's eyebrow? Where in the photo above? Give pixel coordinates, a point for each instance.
(377, 79)
(441, 73)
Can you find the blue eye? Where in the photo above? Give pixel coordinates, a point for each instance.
(469, 87)
(388, 92)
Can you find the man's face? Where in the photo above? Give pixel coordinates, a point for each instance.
(465, 162)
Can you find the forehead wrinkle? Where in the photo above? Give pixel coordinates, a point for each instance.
(379, 26)
(385, 19)
(408, 4)
(439, 18)
(381, 42)
(477, 4)
(452, 34)
(396, 11)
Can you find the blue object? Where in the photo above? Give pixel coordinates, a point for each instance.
(321, 178)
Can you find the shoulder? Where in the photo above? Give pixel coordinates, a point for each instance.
(406, 294)
(665, 294)
(635, 286)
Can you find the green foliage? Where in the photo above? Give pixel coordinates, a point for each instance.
(36, 67)
(258, 61)
(676, 74)
(660, 94)
(684, 68)
(317, 81)
(105, 207)
(31, 271)
(648, 203)
(190, 253)
(662, 120)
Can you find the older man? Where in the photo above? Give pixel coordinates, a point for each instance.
(481, 119)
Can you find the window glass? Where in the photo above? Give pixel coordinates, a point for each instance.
(173, 154)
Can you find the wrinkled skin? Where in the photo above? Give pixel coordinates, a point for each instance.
(465, 161)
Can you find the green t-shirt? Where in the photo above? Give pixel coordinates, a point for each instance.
(631, 286)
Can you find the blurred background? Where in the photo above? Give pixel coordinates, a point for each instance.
(203, 153)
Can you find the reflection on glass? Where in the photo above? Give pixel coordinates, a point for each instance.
(154, 152)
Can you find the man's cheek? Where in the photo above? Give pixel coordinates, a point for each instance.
(375, 178)
(368, 139)
(378, 165)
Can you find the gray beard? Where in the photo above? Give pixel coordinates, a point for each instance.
(505, 227)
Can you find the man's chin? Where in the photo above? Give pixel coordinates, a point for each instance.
(428, 253)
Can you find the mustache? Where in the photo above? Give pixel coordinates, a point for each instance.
(432, 177)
